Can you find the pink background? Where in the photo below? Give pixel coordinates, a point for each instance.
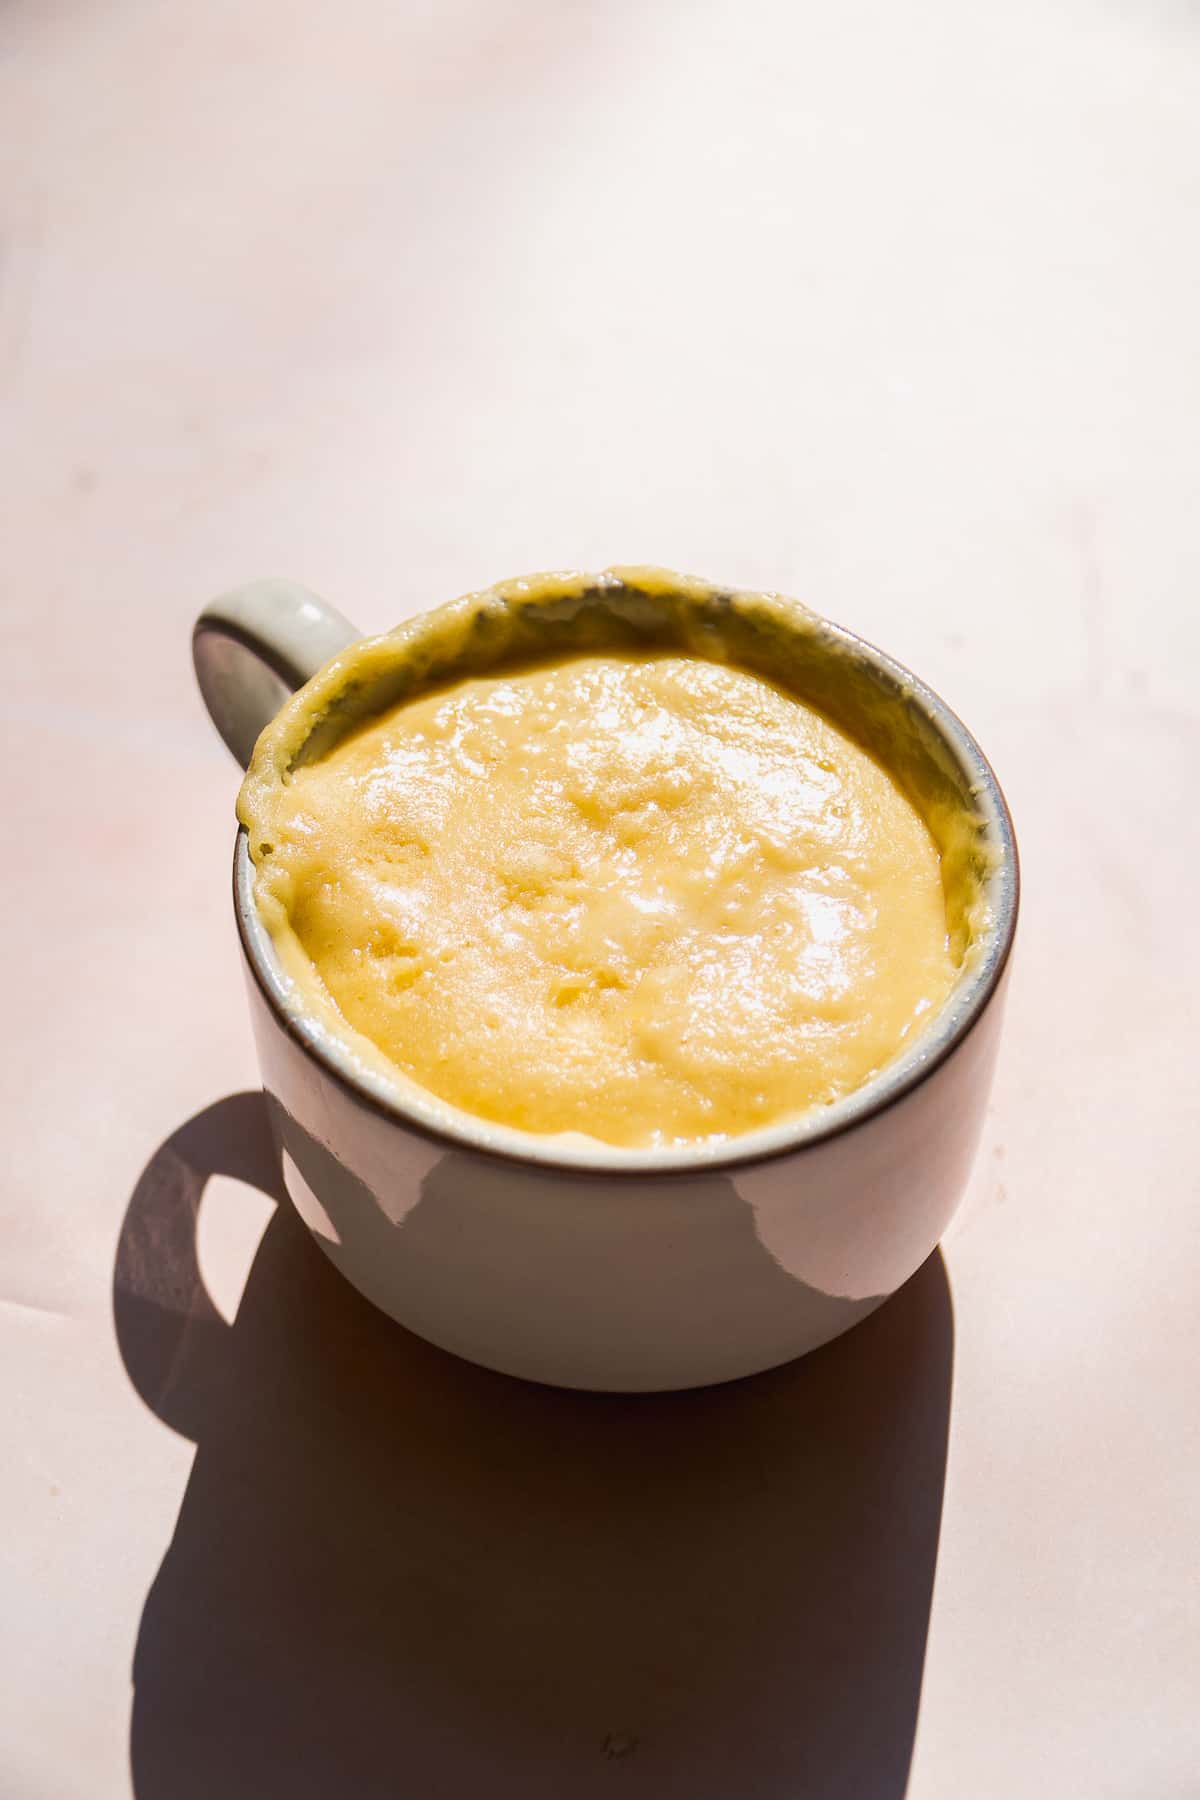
(893, 308)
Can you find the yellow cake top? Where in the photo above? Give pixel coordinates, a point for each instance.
(632, 893)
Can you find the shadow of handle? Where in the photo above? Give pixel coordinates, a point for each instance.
(173, 1341)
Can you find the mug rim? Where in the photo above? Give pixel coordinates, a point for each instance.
(959, 1014)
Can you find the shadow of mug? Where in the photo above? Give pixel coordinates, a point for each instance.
(394, 1573)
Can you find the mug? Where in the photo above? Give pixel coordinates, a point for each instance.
(585, 1265)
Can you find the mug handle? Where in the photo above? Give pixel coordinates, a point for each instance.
(254, 646)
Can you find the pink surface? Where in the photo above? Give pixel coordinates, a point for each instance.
(890, 308)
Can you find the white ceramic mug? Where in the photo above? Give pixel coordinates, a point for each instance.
(594, 1267)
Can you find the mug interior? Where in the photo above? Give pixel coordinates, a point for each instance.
(912, 733)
